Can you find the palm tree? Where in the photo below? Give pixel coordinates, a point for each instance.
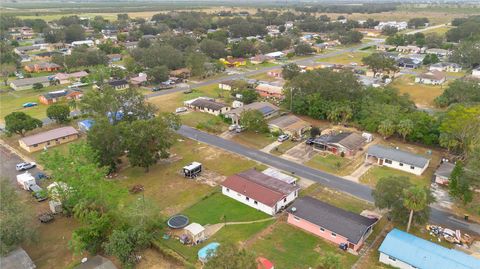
(386, 128)
(414, 199)
(405, 127)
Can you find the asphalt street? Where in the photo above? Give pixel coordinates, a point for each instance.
(437, 216)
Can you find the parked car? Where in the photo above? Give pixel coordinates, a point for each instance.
(310, 141)
(155, 89)
(187, 91)
(29, 104)
(181, 110)
(233, 127)
(40, 175)
(283, 137)
(239, 129)
(38, 193)
(25, 166)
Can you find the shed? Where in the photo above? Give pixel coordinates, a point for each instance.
(195, 231)
(208, 251)
(192, 170)
(17, 259)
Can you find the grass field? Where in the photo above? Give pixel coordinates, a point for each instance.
(440, 30)
(375, 173)
(290, 247)
(253, 140)
(263, 77)
(284, 147)
(334, 164)
(204, 121)
(422, 95)
(214, 208)
(345, 58)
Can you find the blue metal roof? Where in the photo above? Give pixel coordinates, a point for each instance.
(266, 110)
(206, 250)
(424, 254)
(86, 123)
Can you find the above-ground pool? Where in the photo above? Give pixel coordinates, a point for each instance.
(210, 248)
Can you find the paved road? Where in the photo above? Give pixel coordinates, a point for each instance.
(361, 191)
(427, 28)
(304, 61)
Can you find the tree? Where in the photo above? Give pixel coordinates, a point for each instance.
(417, 22)
(330, 261)
(433, 40)
(430, 59)
(213, 48)
(253, 120)
(125, 244)
(467, 53)
(415, 199)
(91, 236)
(248, 96)
(378, 62)
(20, 123)
(144, 43)
(37, 86)
(389, 30)
(6, 70)
(149, 140)
(314, 131)
(228, 256)
(303, 49)
(405, 127)
(290, 70)
(158, 74)
(459, 91)
(281, 43)
(196, 62)
(340, 114)
(386, 128)
(13, 228)
(244, 48)
(74, 32)
(105, 139)
(351, 37)
(460, 184)
(58, 112)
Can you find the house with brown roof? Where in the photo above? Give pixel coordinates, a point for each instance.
(48, 139)
(289, 124)
(42, 67)
(269, 91)
(65, 78)
(433, 77)
(260, 191)
(346, 142)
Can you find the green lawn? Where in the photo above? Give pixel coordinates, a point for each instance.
(345, 58)
(263, 77)
(212, 209)
(204, 121)
(422, 95)
(290, 247)
(372, 176)
(253, 140)
(329, 163)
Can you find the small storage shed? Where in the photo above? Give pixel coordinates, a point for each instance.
(25, 180)
(195, 231)
(208, 251)
(192, 170)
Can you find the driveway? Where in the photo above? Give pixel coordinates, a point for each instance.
(271, 146)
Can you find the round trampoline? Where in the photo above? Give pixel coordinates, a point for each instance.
(178, 221)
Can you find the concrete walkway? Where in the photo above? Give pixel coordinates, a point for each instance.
(269, 147)
(210, 230)
(355, 176)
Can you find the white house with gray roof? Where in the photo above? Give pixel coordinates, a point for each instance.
(397, 159)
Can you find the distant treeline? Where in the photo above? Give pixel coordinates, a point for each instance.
(364, 8)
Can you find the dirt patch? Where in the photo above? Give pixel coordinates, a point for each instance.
(154, 260)
(210, 178)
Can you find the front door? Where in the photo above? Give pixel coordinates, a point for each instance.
(350, 245)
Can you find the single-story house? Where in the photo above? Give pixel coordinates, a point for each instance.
(233, 62)
(438, 52)
(383, 47)
(42, 67)
(267, 109)
(227, 85)
(141, 79)
(25, 49)
(88, 43)
(45, 56)
(85, 125)
(196, 232)
(329, 222)
(431, 78)
(17, 259)
(130, 45)
(66, 94)
(259, 59)
(114, 57)
(275, 73)
(268, 90)
(443, 172)
(408, 62)
(119, 84)
(181, 73)
(346, 142)
(275, 54)
(97, 262)
(397, 159)
(447, 67)
(406, 251)
(47, 139)
(260, 191)
(409, 49)
(289, 124)
(207, 105)
(27, 83)
(65, 78)
(476, 72)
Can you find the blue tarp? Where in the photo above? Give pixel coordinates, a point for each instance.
(85, 125)
(424, 254)
(206, 250)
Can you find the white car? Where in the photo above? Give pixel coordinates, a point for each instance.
(25, 166)
(283, 137)
(232, 127)
(181, 110)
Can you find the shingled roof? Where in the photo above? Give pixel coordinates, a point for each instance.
(49, 135)
(204, 103)
(397, 155)
(344, 223)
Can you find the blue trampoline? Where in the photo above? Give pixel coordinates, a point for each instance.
(207, 251)
(178, 222)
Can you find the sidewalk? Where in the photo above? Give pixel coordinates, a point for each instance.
(355, 176)
(269, 148)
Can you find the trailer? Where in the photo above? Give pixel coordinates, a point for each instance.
(192, 170)
(25, 180)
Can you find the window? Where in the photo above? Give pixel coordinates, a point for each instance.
(392, 258)
(296, 218)
(284, 200)
(401, 164)
(255, 202)
(35, 145)
(334, 235)
(246, 198)
(412, 167)
(388, 161)
(227, 189)
(322, 230)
